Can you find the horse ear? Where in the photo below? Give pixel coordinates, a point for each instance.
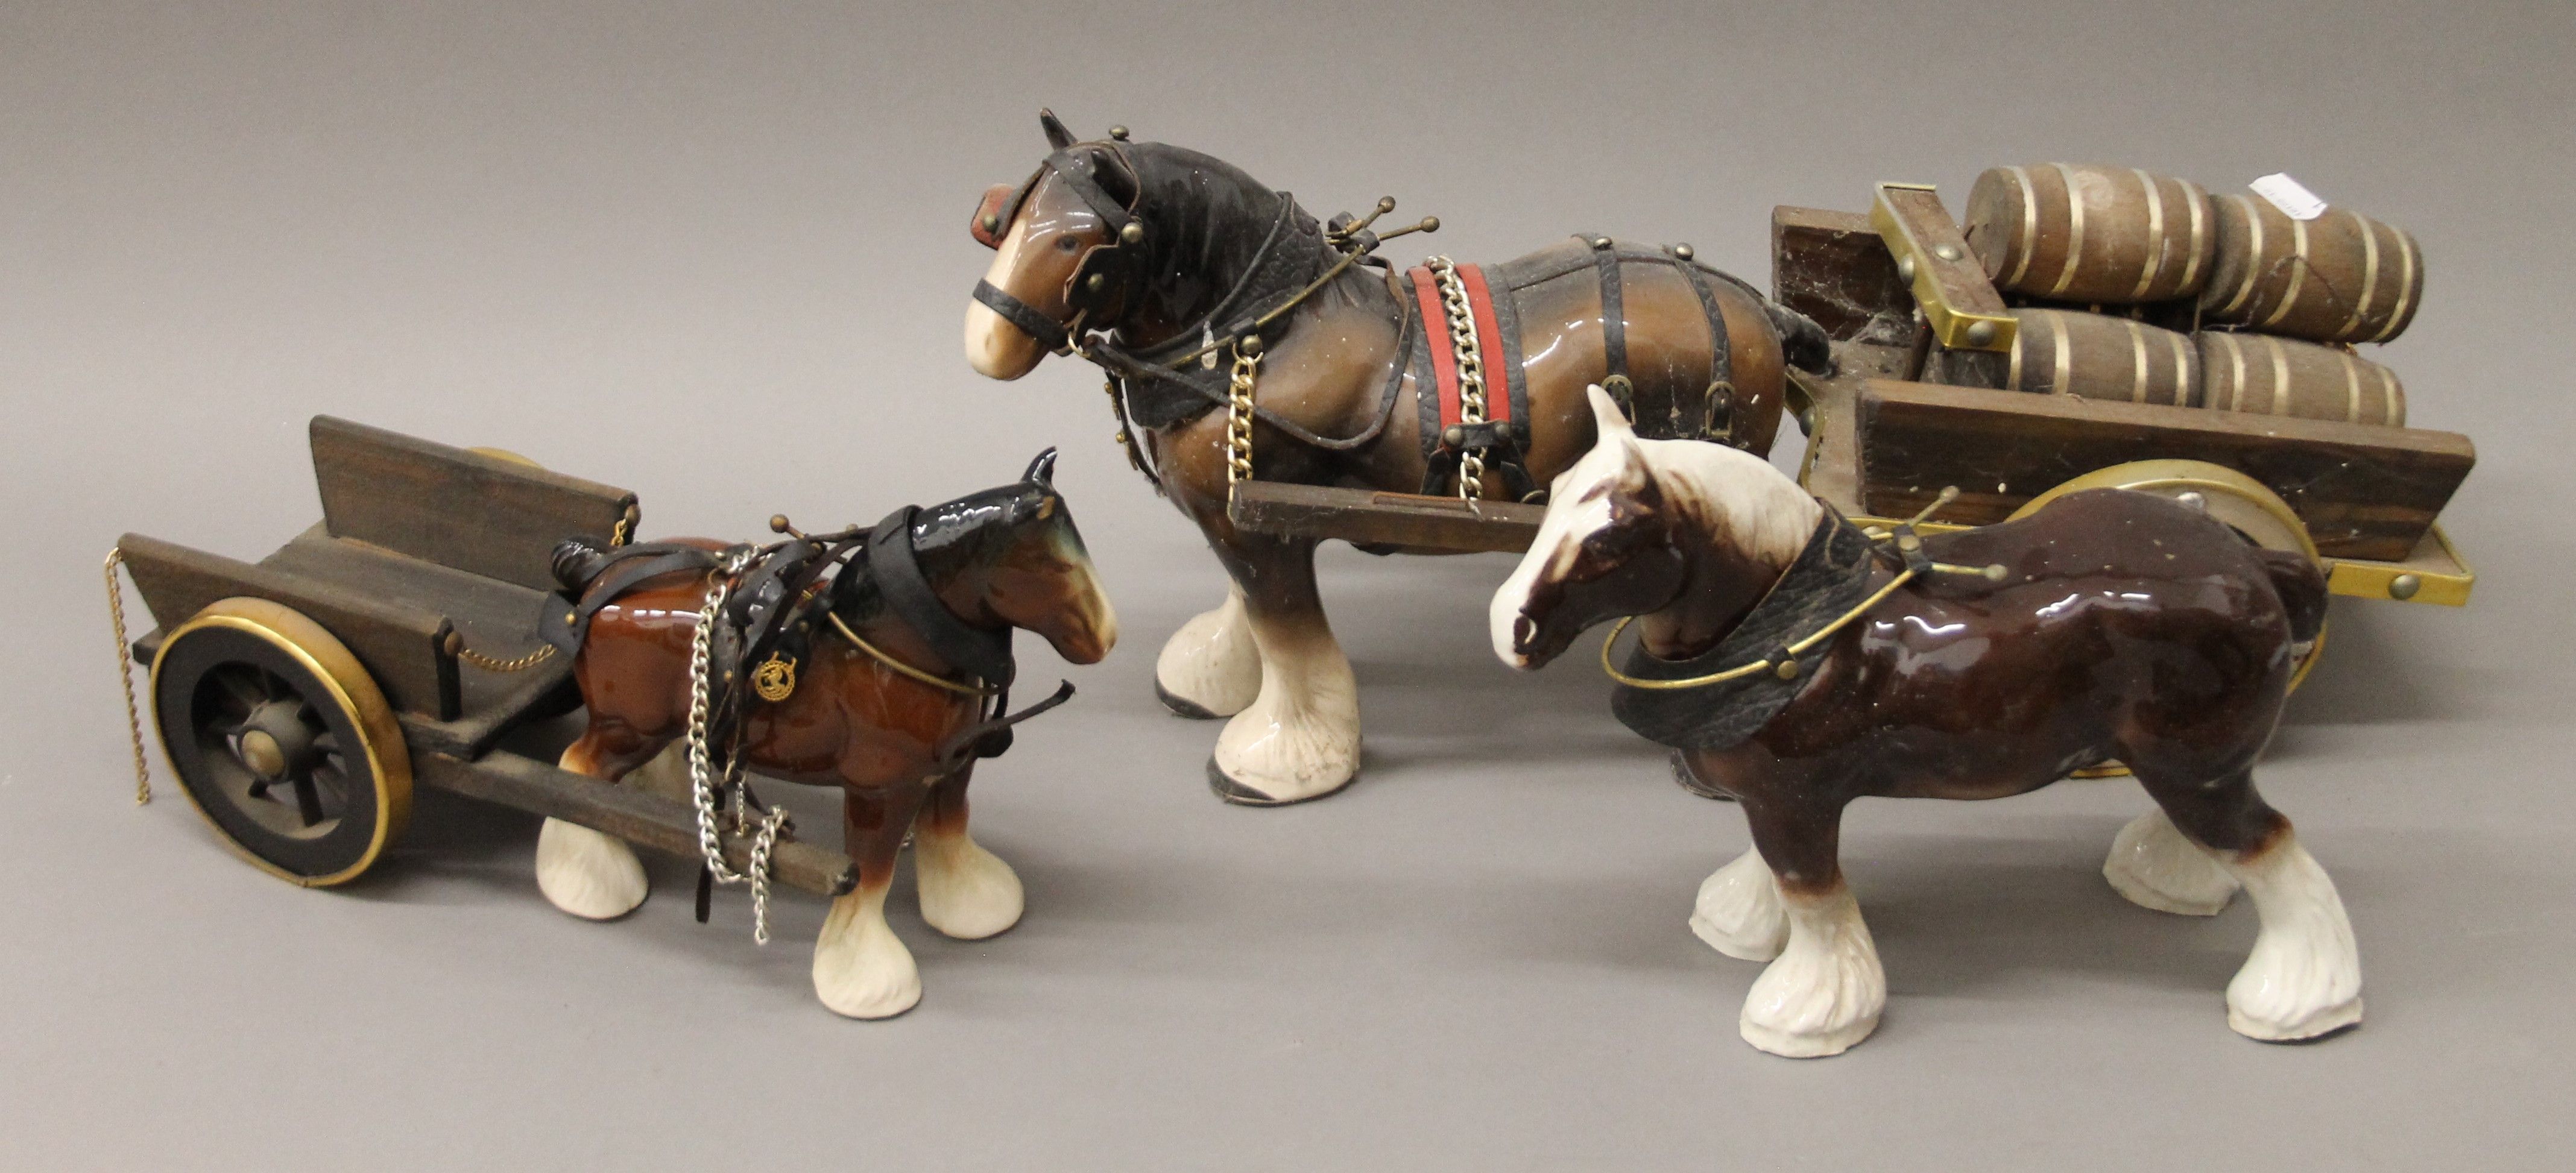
(1058, 138)
(1635, 491)
(1041, 470)
(1608, 421)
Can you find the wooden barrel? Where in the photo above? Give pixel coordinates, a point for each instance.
(2097, 356)
(2276, 376)
(2085, 232)
(2342, 277)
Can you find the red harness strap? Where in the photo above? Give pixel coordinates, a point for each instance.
(1444, 355)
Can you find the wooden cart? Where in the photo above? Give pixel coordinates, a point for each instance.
(302, 697)
(1898, 289)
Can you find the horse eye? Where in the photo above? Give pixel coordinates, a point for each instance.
(1067, 243)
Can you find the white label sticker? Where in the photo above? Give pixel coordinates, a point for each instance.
(2292, 197)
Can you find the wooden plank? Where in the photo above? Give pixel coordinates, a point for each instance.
(1832, 267)
(494, 618)
(402, 645)
(1949, 283)
(545, 690)
(630, 814)
(475, 513)
(2364, 491)
(1368, 517)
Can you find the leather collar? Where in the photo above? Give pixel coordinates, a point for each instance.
(896, 568)
(1830, 577)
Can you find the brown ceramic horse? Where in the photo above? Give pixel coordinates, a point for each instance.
(1137, 255)
(860, 718)
(2116, 625)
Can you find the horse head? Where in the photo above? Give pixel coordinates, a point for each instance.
(1026, 563)
(1605, 549)
(1107, 235)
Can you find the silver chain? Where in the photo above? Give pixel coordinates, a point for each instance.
(1471, 370)
(704, 786)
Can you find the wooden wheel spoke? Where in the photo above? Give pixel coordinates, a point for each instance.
(308, 800)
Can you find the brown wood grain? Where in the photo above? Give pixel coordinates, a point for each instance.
(475, 513)
(400, 643)
(1834, 268)
(1364, 516)
(642, 819)
(2363, 491)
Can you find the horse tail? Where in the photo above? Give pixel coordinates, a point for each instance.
(2302, 588)
(1802, 341)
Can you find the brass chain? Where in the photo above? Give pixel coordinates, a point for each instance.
(125, 675)
(1471, 370)
(616, 537)
(1238, 412)
(520, 664)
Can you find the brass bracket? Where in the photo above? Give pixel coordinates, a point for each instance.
(1932, 258)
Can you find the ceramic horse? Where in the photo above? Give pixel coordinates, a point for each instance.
(1141, 256)
(871, 720)
(2110, 625)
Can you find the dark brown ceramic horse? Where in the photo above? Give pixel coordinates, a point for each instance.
(876, 710)
(1155, 262)
(2112, 625)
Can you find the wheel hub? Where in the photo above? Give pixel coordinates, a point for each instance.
(274, 741)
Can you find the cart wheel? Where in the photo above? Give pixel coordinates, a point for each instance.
(282, 740)
(2228, 495)
(503, 454)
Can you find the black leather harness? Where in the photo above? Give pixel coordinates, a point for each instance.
(1829, 578)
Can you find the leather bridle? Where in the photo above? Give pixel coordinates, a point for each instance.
(1101, 280)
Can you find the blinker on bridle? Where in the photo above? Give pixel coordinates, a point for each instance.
(1100, 279)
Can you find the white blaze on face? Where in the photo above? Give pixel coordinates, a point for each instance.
(1578, 504)
(994, 347)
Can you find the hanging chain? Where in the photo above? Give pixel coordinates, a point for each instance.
(703, 785)
(616, 537)
(125, 675)
(1471, 370)
(1238, 411)
(520, 664)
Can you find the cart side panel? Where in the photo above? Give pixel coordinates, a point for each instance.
(1834, 268)
(475, 513)
(403, 647)
(2363, 491)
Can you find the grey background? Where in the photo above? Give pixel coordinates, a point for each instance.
(717, 254)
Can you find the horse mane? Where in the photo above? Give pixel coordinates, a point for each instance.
(1206, 221)
(1734, 497)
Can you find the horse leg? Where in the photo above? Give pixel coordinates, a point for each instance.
(1826, 989)
(1210, 667)
(1300, 737)
(861, 969)
(2154, 866)
(589, 874)
(966, 891)
(2303, 978)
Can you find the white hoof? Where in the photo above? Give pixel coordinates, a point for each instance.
(1826, 990)
(1210, 667)
(2303, 979)
(588, 874)
(861, 969)
(966, 891)
(1300, 739)
(1739, 912)
(2155, 867)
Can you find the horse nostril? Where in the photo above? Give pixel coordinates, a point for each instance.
(1524, 631)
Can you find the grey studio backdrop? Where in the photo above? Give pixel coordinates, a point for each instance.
(718, 254)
